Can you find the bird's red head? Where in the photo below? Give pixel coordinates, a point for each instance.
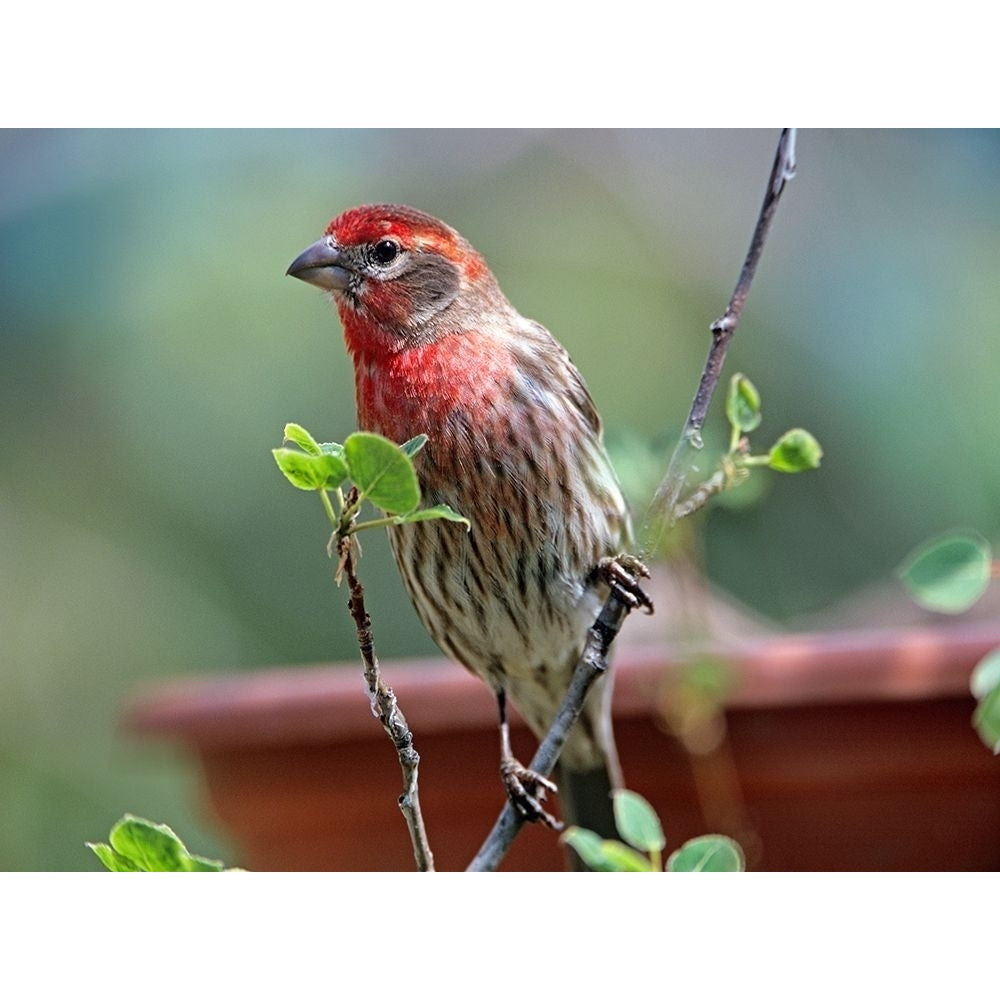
(393, 269)
(424, 320)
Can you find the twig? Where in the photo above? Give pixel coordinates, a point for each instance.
(664, 509)
(711, 487)
(593, 663)
(386, 709)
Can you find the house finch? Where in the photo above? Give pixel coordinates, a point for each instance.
(515, 446)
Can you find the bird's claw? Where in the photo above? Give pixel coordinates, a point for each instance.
(526, 790)
(623, 573)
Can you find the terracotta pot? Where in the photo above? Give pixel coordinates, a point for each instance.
(849, 750)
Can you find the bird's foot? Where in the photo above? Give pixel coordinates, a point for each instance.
(623, 573)
(526, 790)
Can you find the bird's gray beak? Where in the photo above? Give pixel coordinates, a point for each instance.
(322, 265)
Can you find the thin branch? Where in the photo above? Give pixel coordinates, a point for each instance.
(593, 660)
(713, 486)
(663, 511)
(593, 663)
(386, 709)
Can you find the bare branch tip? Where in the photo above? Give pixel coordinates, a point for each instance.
(787, 165)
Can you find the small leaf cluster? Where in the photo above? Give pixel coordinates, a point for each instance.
(139, 845)
(795, 451)
(381, 472)
(644, 842)
(949, 574)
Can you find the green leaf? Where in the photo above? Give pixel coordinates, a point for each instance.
(948, 574)
(986, 719)
(196, 863)
(590, 847)
(154, 847)
(151, 847)
(603, 855)
(795, 451)
(310, 472)
(300, 436)
(112, 860)
(743, 404)
(441, 512)
(411, 447)
(332, 448)
(637, 822)
(622, 858)
(382, 472)
(711, 853)
(985, 675)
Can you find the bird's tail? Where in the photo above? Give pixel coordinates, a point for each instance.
(585, 798)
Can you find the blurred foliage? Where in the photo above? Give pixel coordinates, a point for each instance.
(643, 841)
(948, 574)
(143, 298)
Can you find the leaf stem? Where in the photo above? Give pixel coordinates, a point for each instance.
(328, 507)
(378, 522)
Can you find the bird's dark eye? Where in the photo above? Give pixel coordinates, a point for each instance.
(385, 251)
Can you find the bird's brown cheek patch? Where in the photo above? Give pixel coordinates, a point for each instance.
(429, 285)
(432, 283)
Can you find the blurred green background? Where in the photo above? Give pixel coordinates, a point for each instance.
(151, 350)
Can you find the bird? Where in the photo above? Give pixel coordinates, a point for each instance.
(515, 445)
